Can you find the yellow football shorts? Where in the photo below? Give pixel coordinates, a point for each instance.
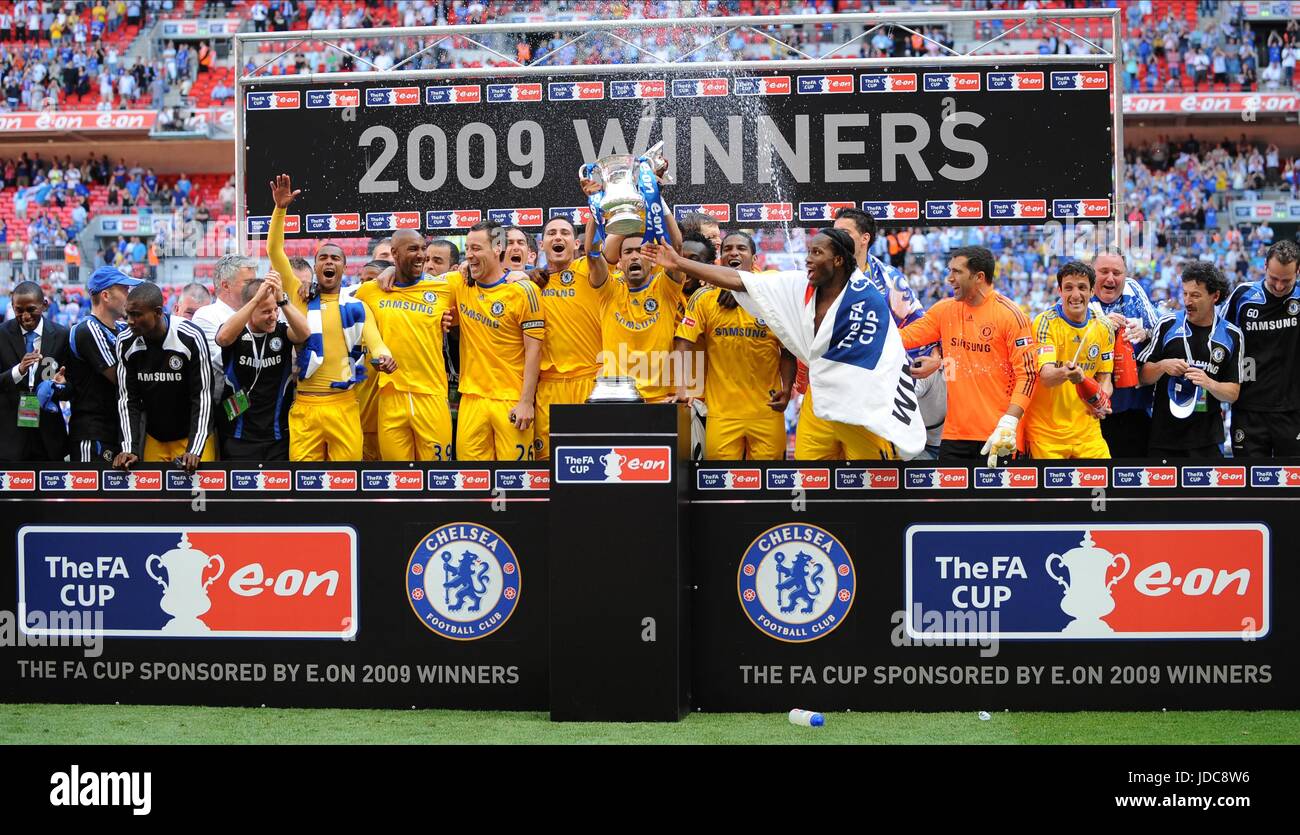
(325, 427)
(751, 439)
(413, 427)
(550, 393)
(155, 450)
(1087, 447)
(367, 393)
(486, 433)
(827, 440)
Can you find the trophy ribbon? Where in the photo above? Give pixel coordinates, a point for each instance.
(655, 229)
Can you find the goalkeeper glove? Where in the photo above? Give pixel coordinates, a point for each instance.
(1003, 440)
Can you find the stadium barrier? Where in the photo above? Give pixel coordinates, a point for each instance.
(877, 586)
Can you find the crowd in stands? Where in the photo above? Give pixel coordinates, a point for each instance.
(69, 54)
(1221, 54)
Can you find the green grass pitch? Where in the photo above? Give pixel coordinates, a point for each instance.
(128, 724)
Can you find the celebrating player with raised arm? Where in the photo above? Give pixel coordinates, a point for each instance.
(325, 421)
(866, 406)
(572, 309)
(640, 306)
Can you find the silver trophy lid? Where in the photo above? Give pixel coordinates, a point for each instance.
(615, 390)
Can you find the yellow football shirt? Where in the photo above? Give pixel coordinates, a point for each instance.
(636, 334)
(1058, 414)
(337, 367)
(572, 310)
(494, 318)
(410, 321)
(742, 356)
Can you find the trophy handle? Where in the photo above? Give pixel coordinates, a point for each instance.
(1052, 574)
(658, 164)
(591, 171)
(149, 571)
(221, 569)
(1122, 574)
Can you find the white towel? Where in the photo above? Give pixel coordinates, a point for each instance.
(856, 361)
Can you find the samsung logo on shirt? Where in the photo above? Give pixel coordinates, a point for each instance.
(1270, 325)
(160, 377)
(266, 362)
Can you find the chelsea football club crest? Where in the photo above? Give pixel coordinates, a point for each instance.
(796, 583)
(174, 362)
(430, 297)
(276, 343)
(498, 308)
(1093, 351)
(566, 277)
(463, 581)
(651, 305)
(1293, 307)
(1218, 354)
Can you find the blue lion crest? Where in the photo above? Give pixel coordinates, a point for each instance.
(466, 578)
(796, 579)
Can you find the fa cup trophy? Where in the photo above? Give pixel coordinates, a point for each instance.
(621, 200)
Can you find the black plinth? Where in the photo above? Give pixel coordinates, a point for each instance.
(619, 596)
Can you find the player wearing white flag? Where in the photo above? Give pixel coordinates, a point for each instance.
(837, 321)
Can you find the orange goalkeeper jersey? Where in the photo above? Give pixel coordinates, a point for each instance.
(988, 361)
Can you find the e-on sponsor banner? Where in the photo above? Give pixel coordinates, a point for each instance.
(805, 479)
(1005, 477)
(720, 212)
(1093, 581)
(1214, 476)
(612, 465)
(1075, 476)
(17, 481)
(823, 211)
(932, 478)
(463, 581)
(261, 225)
(193, 581)
(729, 480)
(1173, 104)
(459, 480)
(326, 480)
(522, 480)
(796, 582)
(261, 480)
(1274, 476)
(1145, 476)
(56, 480)
(866, 479)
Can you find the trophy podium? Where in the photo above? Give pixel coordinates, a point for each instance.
(619, 569)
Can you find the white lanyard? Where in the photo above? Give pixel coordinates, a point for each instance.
(1187, 328)
(257, 355)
